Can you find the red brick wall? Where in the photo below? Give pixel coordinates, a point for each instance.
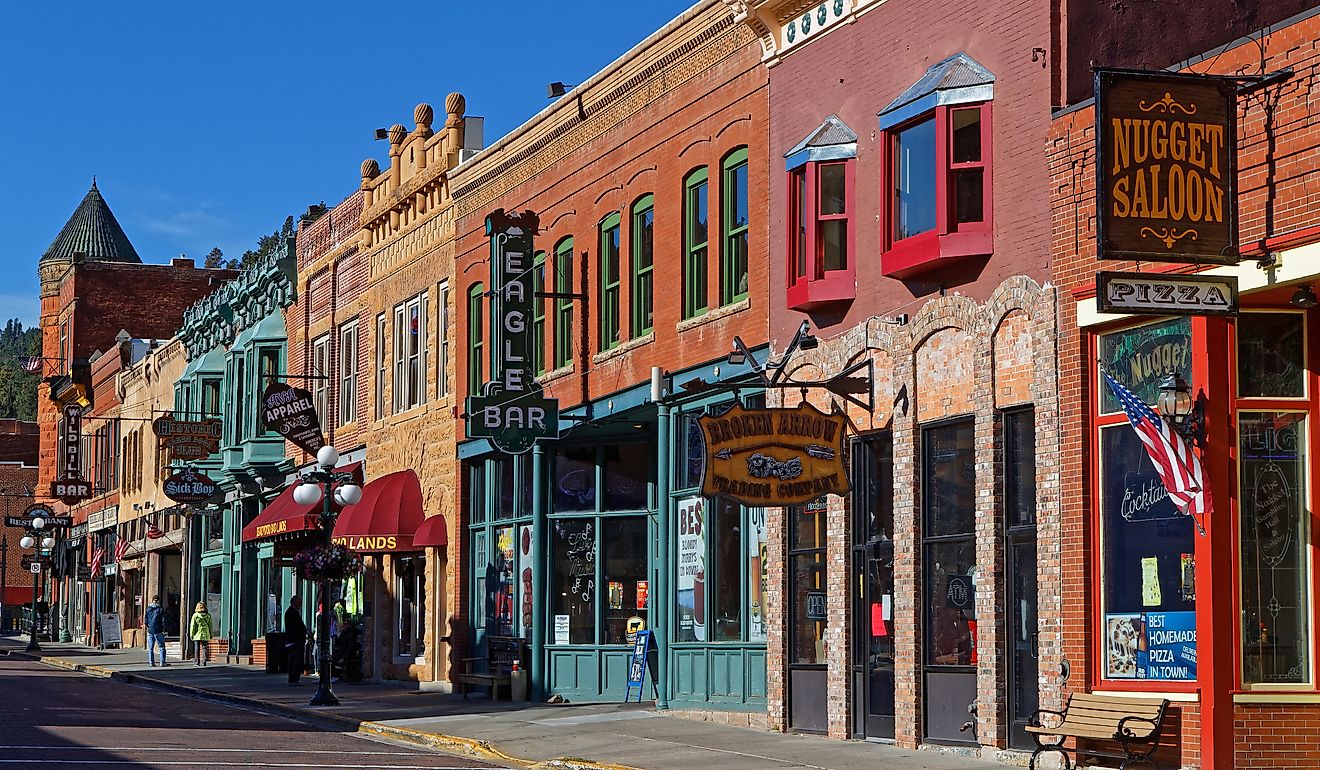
(1277, 736)
(16, 483)
(19, 441)
(831, 76)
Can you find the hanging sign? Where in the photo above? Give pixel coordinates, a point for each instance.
(774, 457)
(1166, 294)
(511, 410)
(189, 486)
(70, 488)
(1166, 149)
(291, 412)
(187, 440)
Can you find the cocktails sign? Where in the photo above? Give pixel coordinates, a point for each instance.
(511, 410)
(774, 457)
(1166, 154)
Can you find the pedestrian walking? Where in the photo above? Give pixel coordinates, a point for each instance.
(155, 625)
(200, 630)
(295, 638)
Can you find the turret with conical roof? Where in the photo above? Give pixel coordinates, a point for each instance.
(93, 233)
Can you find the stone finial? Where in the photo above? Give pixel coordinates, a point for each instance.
(455, 104)
(370, 168)
(397, 133)
(423, 114)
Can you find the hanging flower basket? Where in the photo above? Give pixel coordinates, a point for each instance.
(321, 563)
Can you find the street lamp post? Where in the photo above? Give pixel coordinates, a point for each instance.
(329, 487)
(37, 541)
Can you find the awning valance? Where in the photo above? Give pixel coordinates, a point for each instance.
(387, 516)
(285, 516)
(434, 532)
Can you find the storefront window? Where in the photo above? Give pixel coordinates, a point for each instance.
(720, 571)
(410, 590)
(575, 479)
(806, 576)
(726, 577)
(212, 588)
(1271, 361)
(499, 583)
(757, 539)
(504, 477)
(573, 590)
(692, 451)
(949, 503)
(627, 471)
(476, 491)
(481, 574)
(1141, 356)
(1275, 574)
(215, 529)
(272, 580)
(624, 543)
(1020, 467)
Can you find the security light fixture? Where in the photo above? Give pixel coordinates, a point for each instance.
(1304, 297)
(557, 89)
(382, 133)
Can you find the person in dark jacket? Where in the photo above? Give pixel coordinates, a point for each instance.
(295, 638)
(155, 624)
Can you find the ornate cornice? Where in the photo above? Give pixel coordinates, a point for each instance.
(264, 288)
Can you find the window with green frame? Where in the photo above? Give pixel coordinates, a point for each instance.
(538, 313)
(642, 258)
(695, 243)
(476, 332)
(733, 224)
(563, 267)
(608, 337)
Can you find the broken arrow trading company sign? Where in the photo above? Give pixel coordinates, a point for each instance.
(1166, 294)
(765, 457)
(189, 486)
(291, 412)
(512, 411)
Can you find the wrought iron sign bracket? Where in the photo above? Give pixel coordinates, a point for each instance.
(851, 384)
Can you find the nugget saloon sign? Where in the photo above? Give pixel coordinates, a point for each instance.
(1166, 154)
(291, 412)
(773, 457)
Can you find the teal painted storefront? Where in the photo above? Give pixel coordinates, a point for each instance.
(235, 342)
(571, 540)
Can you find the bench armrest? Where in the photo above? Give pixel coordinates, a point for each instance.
(1126, 732)
(1036, 721)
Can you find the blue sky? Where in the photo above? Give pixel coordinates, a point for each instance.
(206, 124)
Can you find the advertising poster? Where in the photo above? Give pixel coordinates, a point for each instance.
(616, 594)
(643, 593)
(756, 558)
(692, 569)
(1171, 646)
(1125, 644)
(525, 576)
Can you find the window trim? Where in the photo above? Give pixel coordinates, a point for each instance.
(348, 372)
(608, 335)
(641, 293)
(476, 328)
(538, 313)
(809, 284)
(442, 385)
(381, 337)
(321, 370)
(563, 320)
(948, 242)
(729, 232)
(696, 295)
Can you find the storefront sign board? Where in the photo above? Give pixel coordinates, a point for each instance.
(1166, 153)
(512, 411)
(1140, 357)
(1166, 294)
(561, 629)
(691, 580)
(637, 665)
(774, 457)
(291, 412)
(189, 486)
(187, 440)
(111, 631)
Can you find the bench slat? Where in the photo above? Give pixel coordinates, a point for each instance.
(1075, 733)
(1116, 702)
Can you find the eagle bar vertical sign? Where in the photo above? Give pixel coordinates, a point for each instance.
(1166, 152)
(512, 411)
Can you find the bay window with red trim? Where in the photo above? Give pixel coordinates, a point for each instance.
(937, 190)
(821, 233)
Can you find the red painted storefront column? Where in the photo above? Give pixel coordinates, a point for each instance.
(1215, 623)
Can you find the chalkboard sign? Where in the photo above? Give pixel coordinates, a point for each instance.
(638, 663)
(503, 651)
(111, 632)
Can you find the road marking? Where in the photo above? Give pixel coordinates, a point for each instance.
(199, 763)
(191, 748)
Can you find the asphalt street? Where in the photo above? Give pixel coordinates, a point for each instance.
(63, 720)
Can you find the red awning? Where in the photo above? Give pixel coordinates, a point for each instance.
(433, 533)
(284, 516)
(386, 518)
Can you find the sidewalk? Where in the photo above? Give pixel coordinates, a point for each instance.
(600, 734)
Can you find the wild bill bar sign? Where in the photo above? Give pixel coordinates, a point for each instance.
(776, 457)
(1166, 156)
(291, 412)
(71, 488)
(511, 411)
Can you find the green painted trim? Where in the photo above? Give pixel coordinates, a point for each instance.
(538, 313)
(476, 333)
(695, 280)
(641, 293)
(608, 269)
(728, 279)
(563, 321)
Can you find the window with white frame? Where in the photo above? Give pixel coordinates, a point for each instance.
(320, 373)
(348, 372)
(442, 344)
(380, 366)
(410, 353)
(410, 614)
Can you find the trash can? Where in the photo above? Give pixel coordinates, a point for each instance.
(276, 657)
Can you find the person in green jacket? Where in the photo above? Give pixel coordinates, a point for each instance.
(199, 630)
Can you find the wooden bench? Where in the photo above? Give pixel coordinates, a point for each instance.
(1133, 723)
(501, 651)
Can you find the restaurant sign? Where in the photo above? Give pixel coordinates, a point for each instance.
(1162, 294)
(291, 412)
(189, 486)
(774, 457)
(1166, 154)
(512, 411)
(187, 440)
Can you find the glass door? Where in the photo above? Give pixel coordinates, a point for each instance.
(1019, 463)
(873, 563)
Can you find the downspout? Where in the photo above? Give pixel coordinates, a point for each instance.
(660, 599)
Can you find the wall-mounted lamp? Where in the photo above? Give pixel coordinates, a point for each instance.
(556, 89)
(1304, 297)
(382, 133)
(1186, 415)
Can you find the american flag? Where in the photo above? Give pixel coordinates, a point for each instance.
(98, 554)
(31, 364)
(1179, 468)
(153, 532)
(121, 548)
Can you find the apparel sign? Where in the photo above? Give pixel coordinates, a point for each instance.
(189, 486)
(70, 487)
(187, 440)
(774, 457)
(1166, 154)
(1166, 294)
(511, 411)
(291, 412)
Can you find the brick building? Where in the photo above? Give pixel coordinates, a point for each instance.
(19, 444)
(1247, 583)
(649, 195)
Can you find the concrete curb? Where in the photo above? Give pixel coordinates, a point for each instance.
(471, 746)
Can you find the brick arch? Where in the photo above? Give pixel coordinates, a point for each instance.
(946, 373)
(1016, 293)
(949, 312)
